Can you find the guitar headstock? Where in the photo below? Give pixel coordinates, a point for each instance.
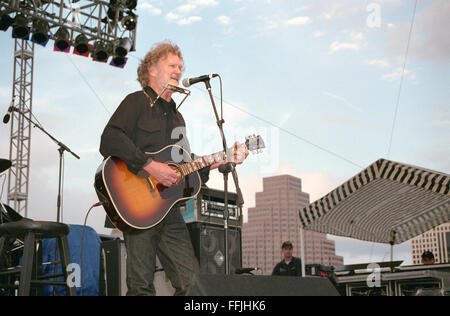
(254, 143)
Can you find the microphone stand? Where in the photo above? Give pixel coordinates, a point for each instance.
(61, 150)
(225, 169)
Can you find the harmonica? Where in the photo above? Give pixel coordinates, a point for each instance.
(177, 89)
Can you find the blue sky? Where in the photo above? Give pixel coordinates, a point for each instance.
(318, 79)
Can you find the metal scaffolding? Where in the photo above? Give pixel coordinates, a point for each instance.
(107, 23)
(19, 150)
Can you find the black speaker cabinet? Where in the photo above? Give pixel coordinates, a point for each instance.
(113, 271)
(257, 285)
(208, 241)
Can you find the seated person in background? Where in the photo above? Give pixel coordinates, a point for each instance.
(427, 257)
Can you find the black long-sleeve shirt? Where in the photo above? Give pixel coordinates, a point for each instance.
(294, 268)
(136, 128)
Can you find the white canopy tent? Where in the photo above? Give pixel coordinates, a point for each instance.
(388, 202)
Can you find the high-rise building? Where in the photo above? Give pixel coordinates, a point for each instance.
(274, 219)
(436, 241)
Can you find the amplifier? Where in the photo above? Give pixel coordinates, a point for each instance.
(208, 207)
(113, 270)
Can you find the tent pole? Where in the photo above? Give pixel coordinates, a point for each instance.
(302, 251)
(392, 252)
(392, 242)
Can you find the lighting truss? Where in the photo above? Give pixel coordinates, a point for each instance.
(106, 21)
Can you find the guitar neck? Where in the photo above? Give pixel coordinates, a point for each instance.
(203, 162)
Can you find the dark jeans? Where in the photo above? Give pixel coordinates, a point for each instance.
(170, 241)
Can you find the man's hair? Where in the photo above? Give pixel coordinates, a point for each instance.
(157, 52)
(286, 244)
(427, 255)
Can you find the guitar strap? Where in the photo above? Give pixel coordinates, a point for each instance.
(152, 102)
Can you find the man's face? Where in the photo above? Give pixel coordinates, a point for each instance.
(167, 70)
(287, 252)
(427, 261)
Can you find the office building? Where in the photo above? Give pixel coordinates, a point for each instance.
(275, 219)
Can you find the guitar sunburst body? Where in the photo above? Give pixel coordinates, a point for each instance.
(132, 202)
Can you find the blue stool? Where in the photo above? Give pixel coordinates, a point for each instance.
(31, 232)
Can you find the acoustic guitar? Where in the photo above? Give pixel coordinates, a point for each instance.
(132, 202)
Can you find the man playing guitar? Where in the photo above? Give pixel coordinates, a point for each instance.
(143, 123)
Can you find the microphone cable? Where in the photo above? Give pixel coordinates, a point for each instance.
(82, 245)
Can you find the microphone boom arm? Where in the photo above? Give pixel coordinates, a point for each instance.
(61, 150)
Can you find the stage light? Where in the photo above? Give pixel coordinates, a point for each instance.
(81, 44)
(20, 27)
(62, 40)
(123, 47)
(131, 4)
(118, 61)
(101, 52)
(129, 22)
(111, 13)
(40, 32)
(5, 21)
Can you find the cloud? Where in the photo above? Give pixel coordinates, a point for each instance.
(180, 20)
(434, 29)
(339, 46)
(225, 20)
(186, 8)
(150, 8)
(276, 22)
(189, 20)
(381, 63)
(206, 3)
(356, 251)
(430, 38)
(316, 184)
(318, 34)
(397, 74)
(300, 20)
(357, 36)
(172, 16)
(182, 15)
(285, 117)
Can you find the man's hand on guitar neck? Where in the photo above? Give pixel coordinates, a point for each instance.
(240, 153)
(162, 173)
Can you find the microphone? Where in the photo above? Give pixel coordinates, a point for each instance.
(11, 109)
(187, 82)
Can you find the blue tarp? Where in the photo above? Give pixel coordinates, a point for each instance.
(91, 261)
